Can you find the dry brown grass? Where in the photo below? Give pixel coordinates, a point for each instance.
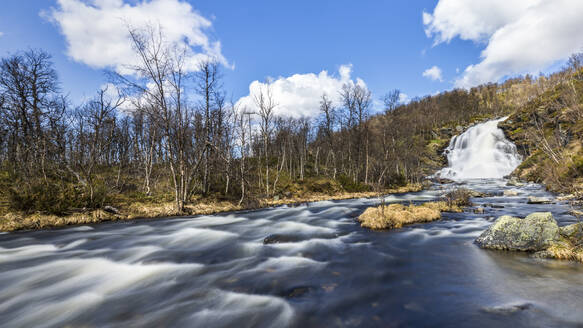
(444, 206)
(22, 221)
(564, 250)
(395, 216)
(17, 221)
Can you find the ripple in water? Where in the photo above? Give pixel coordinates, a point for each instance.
(215, 271)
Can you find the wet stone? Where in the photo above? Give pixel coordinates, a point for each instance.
(536, 232)
(510, 193)
(277, 238)
(539, 200)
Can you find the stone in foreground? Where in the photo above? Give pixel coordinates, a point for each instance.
(536, 232)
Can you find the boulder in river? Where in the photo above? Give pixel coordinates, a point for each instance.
(539, 200)
(510, 193)
(536, 232)
(514, 182)
(278, 238)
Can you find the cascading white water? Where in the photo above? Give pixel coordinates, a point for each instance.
(481, 152)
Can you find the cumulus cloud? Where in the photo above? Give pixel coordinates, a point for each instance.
(521, 36)
(1, 34)
(96, 31)
(404, 98)
(434, 73)
(299, 95)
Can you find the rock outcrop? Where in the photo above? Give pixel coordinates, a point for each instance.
(536, 232)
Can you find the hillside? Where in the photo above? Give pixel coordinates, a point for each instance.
(548, 131)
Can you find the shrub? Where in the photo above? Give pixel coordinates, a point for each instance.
(349, 185)
(54, 198)
(458, 197)
(396, 180)
(322, 185)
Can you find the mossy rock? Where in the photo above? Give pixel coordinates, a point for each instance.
(573, 233)
(536, 232)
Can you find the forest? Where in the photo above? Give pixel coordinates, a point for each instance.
(162, 135)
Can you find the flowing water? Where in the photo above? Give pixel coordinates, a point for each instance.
(481, 152)
(215, 271)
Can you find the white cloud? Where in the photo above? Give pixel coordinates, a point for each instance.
(404, 98)
(97, 30)
(1, 34)
(299, 95)
(434, 73)
(472, 20)
(522, 36)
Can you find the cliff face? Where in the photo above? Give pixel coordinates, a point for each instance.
(548, 132)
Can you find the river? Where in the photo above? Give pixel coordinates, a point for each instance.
(216, 271)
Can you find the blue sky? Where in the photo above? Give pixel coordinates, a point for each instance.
(385, 41)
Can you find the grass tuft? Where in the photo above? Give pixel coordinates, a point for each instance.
(396, 216)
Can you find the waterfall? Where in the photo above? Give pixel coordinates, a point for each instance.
(481, 152)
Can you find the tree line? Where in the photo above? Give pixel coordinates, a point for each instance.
(163, 132)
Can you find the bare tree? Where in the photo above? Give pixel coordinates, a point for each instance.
(161, 84)
(96, 122)
(208, 87)
(32, 108)
(266, 104)
(391, 100)
(328, 121)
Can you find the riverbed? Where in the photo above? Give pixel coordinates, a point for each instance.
(215, 271)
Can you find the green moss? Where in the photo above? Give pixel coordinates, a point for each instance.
(517, 131)
(530, 161)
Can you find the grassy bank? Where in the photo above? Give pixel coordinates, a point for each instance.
(13, 221)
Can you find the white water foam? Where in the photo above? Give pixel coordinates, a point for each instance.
(230, 309)
(64, 289)
(481, 152)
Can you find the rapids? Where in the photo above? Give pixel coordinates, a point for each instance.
(215, 271)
